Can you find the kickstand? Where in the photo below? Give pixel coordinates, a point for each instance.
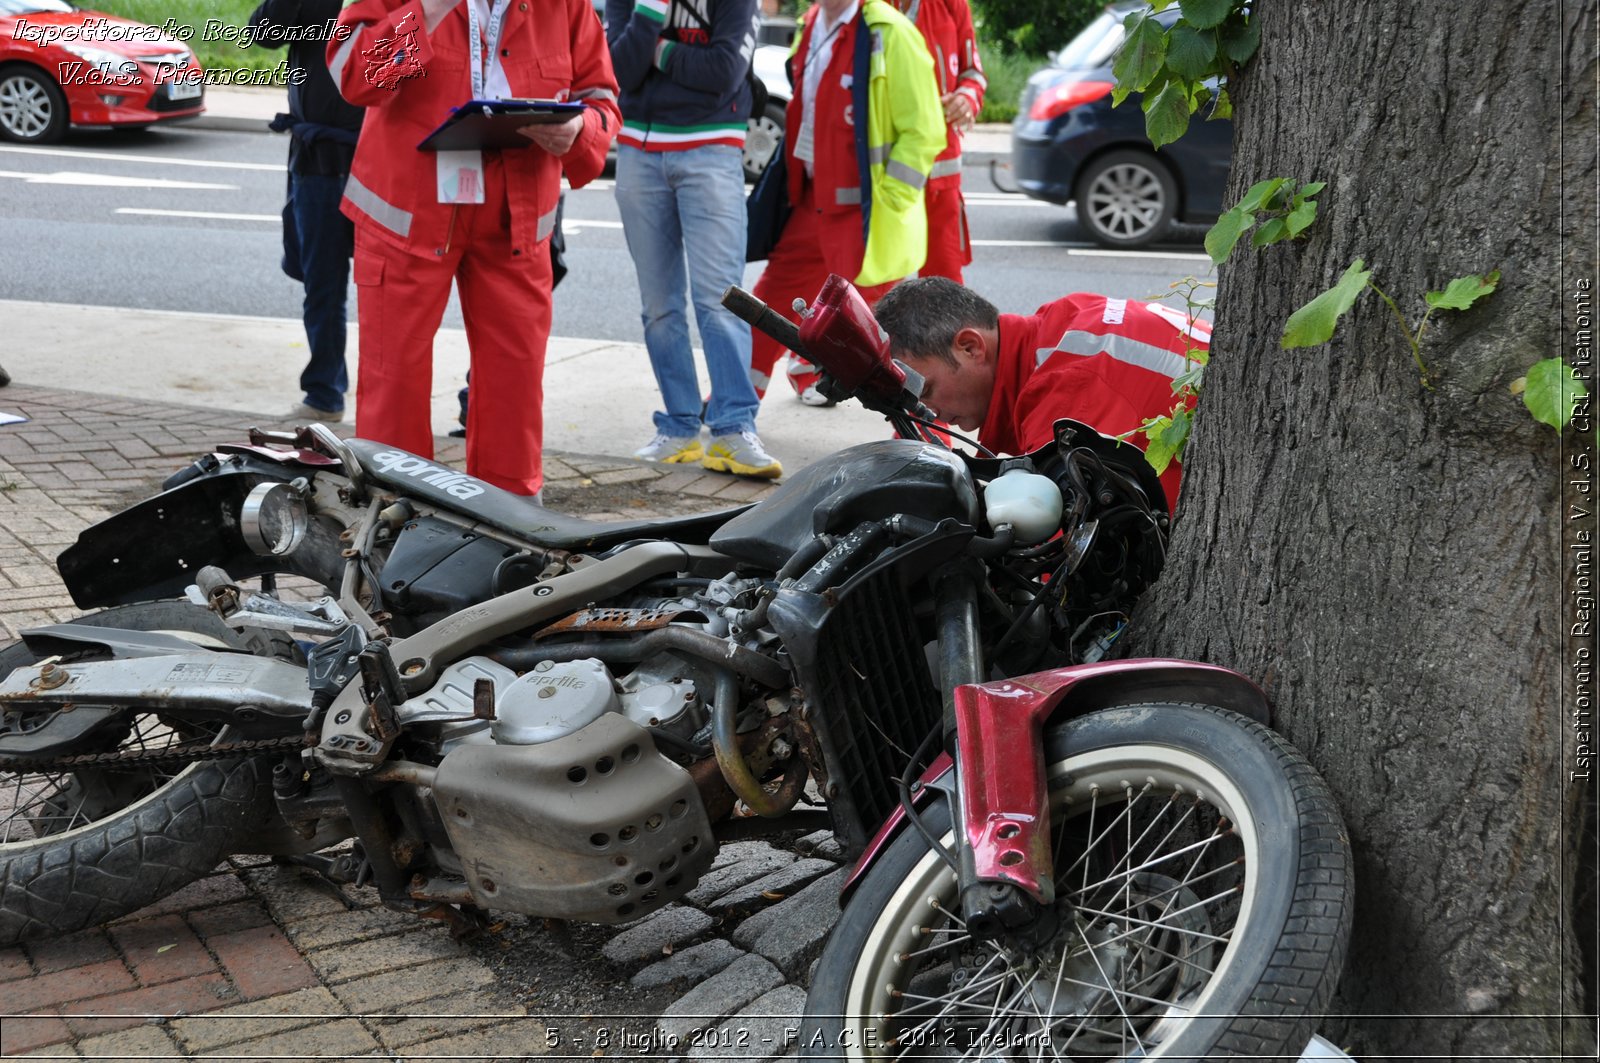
(328, 873)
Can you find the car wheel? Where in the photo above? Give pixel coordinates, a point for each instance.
(33, 109)
(763, 139)
(1126, 199)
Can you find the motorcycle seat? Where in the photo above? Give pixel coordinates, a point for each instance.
(407, 474)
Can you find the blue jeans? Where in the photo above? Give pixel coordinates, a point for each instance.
(325, 240)
(678, 208)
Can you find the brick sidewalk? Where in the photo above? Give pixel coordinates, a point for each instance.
(255, 961)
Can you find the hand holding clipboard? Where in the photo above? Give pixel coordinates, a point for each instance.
(484, 124)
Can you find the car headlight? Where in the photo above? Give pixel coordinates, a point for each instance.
(110, 63)
(274, 518)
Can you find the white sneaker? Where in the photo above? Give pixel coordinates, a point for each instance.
(671, 450)
(812, 397)
(742, 454)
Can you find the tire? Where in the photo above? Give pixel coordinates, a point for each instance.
(155, 833)
(1126, 199)
(1285, 910)
(763, 137)
(33, 109)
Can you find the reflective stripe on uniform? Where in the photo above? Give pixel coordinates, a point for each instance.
(847, 197)
(905, 174)
(973, 74)
(377, 208)
(595, 94)
(946, 167)
(547, 223)
(1122, 348)
(879, 155)
(341, 57)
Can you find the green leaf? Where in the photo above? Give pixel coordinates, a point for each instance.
(1166, 114)
(1190, 52)
(1462, 292)
(1260, 192)
(1167, 436)
(1272, 230)
(1550, 391)
(1308, 190)
(1314, 323)
(1223, 107)
(1193, 380)
(1300, 218)
(1241, 39)
(1221, 237)
(1142, 56)
(1205, 14)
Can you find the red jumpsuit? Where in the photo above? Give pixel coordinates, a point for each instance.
(409, 246)
(946, 25)
(1109, 363)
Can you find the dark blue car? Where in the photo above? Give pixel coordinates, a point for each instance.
(1069, 144)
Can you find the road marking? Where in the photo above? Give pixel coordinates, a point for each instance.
(106, 180)
(200, 214)
(1093, 252)
(577, 225)
(119, 157)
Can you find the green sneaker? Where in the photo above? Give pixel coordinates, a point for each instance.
(742, 454)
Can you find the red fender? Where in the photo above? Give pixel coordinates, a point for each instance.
(1005, 807)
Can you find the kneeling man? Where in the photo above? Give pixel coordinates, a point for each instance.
(1109, 363)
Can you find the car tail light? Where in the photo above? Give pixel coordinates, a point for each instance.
(1064, 96)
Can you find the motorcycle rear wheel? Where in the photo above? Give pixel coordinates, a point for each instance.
(81, 847)
(1204, 896)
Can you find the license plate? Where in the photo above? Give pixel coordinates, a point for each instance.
(183, 90)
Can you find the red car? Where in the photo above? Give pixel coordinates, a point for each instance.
(62, 65)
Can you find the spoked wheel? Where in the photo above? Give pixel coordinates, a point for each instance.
(1202, 908)
(85, 844)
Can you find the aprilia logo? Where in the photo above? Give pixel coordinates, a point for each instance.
(456, 484)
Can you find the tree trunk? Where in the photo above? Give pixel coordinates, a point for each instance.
(1388, 559)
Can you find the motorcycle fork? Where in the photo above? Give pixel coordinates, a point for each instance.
(1003, 861)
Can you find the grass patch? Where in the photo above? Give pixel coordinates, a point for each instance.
(208, 22)
(1007, 75)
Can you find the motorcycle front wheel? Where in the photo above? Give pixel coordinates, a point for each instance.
(85, 845)
(1203, 904)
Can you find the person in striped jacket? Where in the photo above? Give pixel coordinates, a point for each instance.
(682, 68)
(1106, 362)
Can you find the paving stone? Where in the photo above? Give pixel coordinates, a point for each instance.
(20, 1034)
(140, 1043)
(290, 896)
(344, 962)
(63, 953)
(784, 881)
(716, 998)
(646, 940)
(383, 994)
(511, 1040)
(208, 892)
(691, 965)
(258, 1018)
(440, 1017)
(77, 983)
(768, 1029)
(122, 1011)
(261, 962)
(734, 872)
(162, 949)
(13, 964)
(823, 844)
(791, 934)
(326, 930)
(340, 1037)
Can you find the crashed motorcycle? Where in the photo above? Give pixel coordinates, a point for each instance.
(310, 640)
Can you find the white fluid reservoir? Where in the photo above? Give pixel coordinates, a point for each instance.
(1030, 503)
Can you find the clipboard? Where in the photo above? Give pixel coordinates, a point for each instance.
(480, 124)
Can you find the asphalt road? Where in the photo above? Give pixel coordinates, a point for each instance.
(187, 219)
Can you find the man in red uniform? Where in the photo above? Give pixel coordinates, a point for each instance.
(480, 218)
(946, 26)
(1109, 363)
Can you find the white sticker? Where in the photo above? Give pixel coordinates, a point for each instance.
(460, 175)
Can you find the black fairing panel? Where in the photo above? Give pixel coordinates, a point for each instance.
(407, 474)
(869, 481)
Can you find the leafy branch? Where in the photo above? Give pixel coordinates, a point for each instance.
(1167, 435)
(1177, 68)
(1315, 322)
(1284, 208)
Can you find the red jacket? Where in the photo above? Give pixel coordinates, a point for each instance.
(409, 81)
(947, 27)
(1109, 363)
(835, 174)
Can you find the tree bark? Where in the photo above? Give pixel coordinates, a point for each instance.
(1387, 559)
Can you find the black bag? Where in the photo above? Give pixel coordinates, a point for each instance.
(767, 209)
